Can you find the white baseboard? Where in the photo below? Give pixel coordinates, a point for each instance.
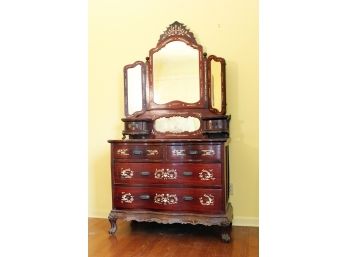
(245, 221)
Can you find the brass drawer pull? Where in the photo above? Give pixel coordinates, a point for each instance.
(187, 173)
(144, 173)
(187, 198)
(144, 197)
(193, 152)
(137, 152)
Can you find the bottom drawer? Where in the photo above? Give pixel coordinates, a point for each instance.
(169, 199)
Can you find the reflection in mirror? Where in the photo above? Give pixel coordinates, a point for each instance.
(216, 84)
(177, 124)
(176, 74)
(134, 93)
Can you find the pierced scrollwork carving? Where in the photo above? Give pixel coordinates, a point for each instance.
(127, 198)
(168, 174)
(207, 199)
(165, 199)
(206, 175)
(208, 152)
(177, 29)
(126, 173)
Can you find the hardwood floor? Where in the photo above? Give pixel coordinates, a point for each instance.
(142, 239)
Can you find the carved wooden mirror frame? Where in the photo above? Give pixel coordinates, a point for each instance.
(214, 123)
(176, 32)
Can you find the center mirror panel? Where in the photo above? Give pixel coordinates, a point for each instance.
(176, 74)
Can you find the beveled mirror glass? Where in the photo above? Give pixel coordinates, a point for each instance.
(176, 73)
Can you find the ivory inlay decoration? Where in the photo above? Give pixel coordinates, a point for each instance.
(152, 152)
(166, 199)
(122, 152)
(127, 198)
(126, 173)
(207, 199)
(206, 175)
(168, 174)
(208, 152)
(177, 124)
(178, 152)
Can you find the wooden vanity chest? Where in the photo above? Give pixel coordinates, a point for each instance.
(173, 167)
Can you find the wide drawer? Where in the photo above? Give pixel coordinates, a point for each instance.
(169, 199)
(137, 151)
(194, 152)
(208, 174)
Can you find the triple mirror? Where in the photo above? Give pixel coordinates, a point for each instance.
(176, 87)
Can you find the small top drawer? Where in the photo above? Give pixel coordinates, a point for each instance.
(194, 152)
(137, 151)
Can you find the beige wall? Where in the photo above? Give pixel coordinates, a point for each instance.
(121, 32)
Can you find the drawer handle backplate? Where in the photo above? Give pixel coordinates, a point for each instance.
(144, 173)
(144, 197)
(187, 198)
(187, 173)
(137, 152)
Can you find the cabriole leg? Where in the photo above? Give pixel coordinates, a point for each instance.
(112, 219)
(226, 232)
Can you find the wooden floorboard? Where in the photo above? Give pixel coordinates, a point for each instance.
(143, 239)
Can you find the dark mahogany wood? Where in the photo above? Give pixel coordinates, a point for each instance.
(173, 177)
(197, 200)
(178, 174)
(177, 32)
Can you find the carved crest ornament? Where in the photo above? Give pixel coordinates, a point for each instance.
(177, 29)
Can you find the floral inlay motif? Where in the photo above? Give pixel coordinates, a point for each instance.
(207, 199)
(166, 199)
(168, 174)
(208, 152)
(122, 151)
(127, 198)
(126, 173)
(178, 152)
(152, 152)
(206, 175)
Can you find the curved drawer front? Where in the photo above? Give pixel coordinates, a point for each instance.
(199, 152)
(169, 199)
(168, 173)
(140, 151)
